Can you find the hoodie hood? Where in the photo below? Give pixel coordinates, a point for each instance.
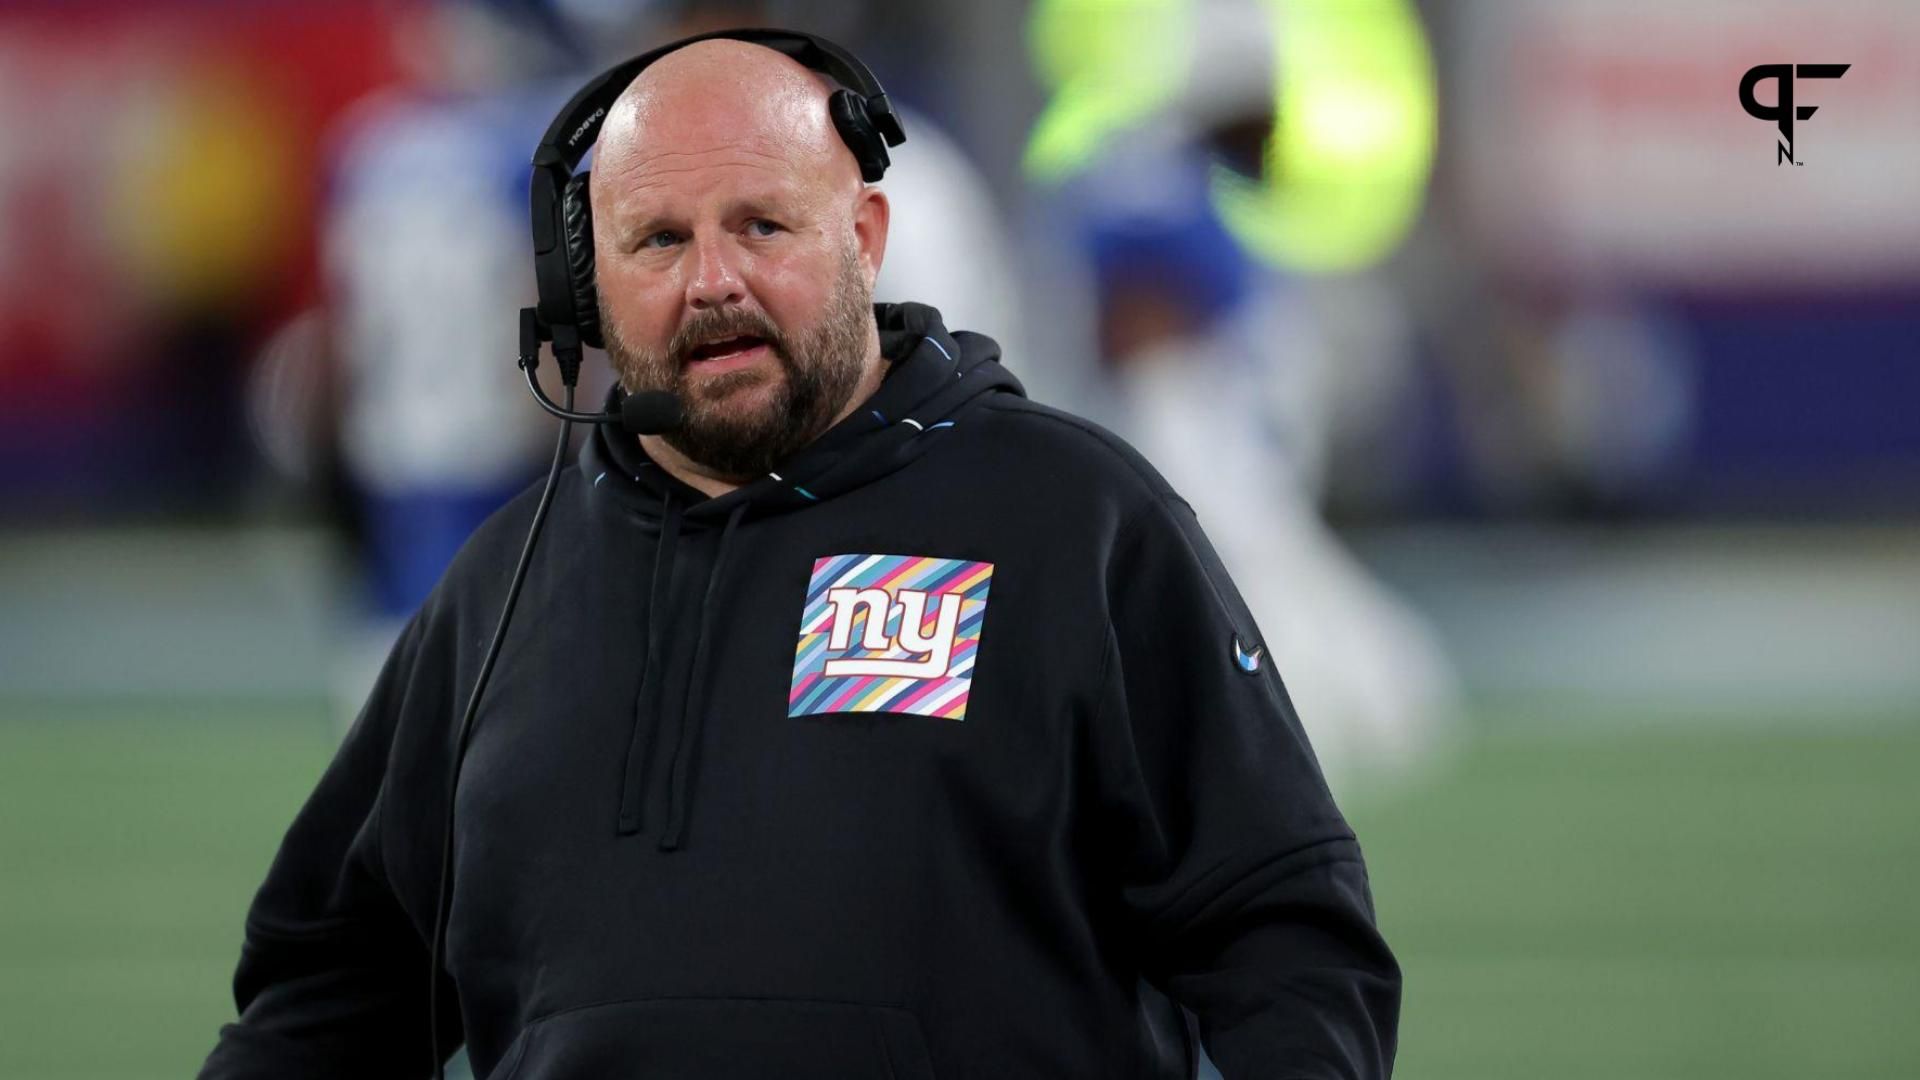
(933, 376)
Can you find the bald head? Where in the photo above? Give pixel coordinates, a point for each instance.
(720, 94)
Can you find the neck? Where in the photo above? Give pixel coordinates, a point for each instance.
(708, 482)
(713, 483)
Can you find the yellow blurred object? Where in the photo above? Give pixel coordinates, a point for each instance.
(1355, 122)
(1108, 63)
(1355, 112)
(205, 204)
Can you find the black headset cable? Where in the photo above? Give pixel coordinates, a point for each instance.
(444, 896)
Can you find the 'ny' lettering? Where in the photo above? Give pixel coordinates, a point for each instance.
(934, 651)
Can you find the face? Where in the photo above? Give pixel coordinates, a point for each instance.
(739, 281)
(753, 393)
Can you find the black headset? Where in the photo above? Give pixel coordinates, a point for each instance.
(568, 313)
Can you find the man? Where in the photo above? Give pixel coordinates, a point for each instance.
(876, 722)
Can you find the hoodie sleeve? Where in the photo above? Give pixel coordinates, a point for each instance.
(1245, 890)
(332, 978)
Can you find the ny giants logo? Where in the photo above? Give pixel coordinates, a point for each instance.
(1782, 111)
(889, 634)
(935, 650)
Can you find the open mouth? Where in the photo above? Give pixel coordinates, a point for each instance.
(737, 345)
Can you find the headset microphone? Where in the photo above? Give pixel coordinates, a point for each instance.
(652, 412)
(649, 412)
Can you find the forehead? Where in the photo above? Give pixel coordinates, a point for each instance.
(678, 162)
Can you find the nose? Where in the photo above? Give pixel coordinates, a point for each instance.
(716, 280)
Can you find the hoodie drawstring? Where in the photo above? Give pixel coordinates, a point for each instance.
(693, 710)
(633, 798)
(693, 702)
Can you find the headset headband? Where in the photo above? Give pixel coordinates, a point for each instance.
(573, 132)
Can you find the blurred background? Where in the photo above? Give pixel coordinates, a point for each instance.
(1562, 432)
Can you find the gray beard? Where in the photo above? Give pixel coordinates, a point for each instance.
(822, 369)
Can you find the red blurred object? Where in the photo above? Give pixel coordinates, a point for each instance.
(158, 185)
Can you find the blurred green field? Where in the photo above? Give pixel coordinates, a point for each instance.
(1663, 902)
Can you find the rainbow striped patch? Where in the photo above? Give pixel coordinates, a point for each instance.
(889, 633)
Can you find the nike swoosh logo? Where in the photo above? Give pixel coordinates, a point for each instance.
(1248, 661)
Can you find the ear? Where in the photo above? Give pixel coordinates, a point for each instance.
(870, 215)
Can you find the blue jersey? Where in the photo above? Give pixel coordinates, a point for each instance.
(428, 260)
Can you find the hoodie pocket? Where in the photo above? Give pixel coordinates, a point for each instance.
(720, 1039)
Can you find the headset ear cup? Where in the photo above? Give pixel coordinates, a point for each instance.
(576, 230)
(849, 112)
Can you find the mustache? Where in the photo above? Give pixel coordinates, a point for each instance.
(719, 323)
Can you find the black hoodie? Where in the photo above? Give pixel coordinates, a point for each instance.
(713, 825)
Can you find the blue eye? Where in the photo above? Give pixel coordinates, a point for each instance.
(653, 241)
(755, 226)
